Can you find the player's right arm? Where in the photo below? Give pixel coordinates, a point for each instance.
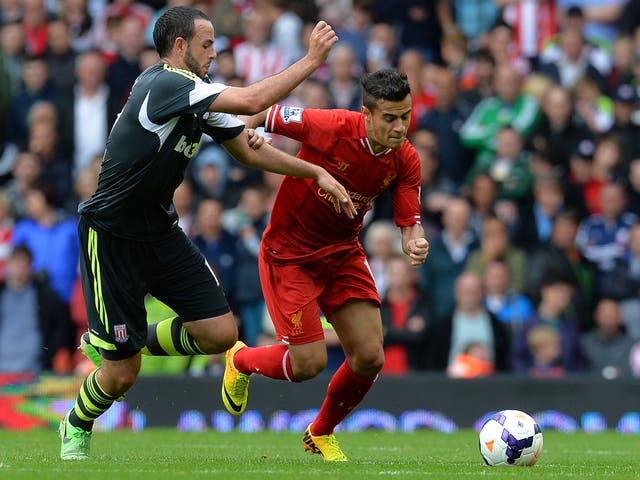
(273, 160)
(261, 95)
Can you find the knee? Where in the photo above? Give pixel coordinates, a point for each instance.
(117, 381)
(214, 335)
(368, 362)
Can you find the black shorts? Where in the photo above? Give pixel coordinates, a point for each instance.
(118, 273)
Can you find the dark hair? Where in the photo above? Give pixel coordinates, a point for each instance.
(21, 251)
(386, 84)
(175, 22)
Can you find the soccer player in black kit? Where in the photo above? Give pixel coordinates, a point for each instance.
(130, 241)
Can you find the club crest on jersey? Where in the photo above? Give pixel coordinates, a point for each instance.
(120, 333)
(291, 114)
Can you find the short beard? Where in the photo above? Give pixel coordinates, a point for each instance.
(191, 63)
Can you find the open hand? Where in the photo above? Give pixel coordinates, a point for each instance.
(339, 196)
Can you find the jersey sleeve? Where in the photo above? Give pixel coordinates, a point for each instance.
(177, 92)
(308, 126)
(223, 126)
(405, 191)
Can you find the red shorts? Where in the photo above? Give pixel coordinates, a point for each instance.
(296, 293)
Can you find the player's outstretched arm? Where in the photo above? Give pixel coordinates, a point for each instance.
(254, 121)
(414, 245)
(260, 95)
(273, 160)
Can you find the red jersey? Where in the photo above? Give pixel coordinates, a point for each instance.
(304, 225)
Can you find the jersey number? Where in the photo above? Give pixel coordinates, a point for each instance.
(186, 149)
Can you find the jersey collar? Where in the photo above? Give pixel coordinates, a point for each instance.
(366, 144)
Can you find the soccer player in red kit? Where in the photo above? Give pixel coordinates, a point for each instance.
(311, 259)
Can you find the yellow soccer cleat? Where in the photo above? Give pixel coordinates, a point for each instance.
(325, 445)
(235, 385)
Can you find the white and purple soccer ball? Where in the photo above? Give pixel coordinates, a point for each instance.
(510, 437)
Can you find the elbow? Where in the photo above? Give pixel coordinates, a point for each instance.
(254, 104)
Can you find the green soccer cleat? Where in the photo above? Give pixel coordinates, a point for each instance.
(235, 385)
(89, 350)
(325, 445)
(75, 442)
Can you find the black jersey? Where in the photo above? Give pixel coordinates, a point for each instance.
(148, 149)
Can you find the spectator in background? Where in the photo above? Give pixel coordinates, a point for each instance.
(217, 245)
(557, 134)
(381, 47)
(7, 224)
(561, 256)
(495, 245)
(448, 255)
(381, 242)
(604, 237)
(405, 319)
(475, 361)
(551, 311)
(35, 329)
(600, 17)
(633, 187)
(75, 13)
(545, 345)
(26, 173)
(605, 167)
(52, 237)
(12, 55)
(35, 77)
(482, 195)
(469, 323)
(475, 18)
(478, 85)
(594, 110)
(508, 107)
(625, 104)
(509, 168)
(622, 283)
(445, 120)
(623, 58)
(535, 222)
(55, 175)
(411, 62)
(249, 220)
(60, 56)
(286, 27)
(354, 29)
(255, 57)
(501, 43)
(607, 348)
(572, 62)
(511, 308)
(125, 68)
(343, 85)
(87, 104)
(34, 24)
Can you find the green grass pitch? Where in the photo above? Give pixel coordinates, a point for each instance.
(159, 454)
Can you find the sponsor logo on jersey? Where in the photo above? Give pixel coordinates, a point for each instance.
(359, 200)
(120, 333)
(187, 149)
(291, 114)
(342, 166)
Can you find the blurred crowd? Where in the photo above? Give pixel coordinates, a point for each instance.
(526, 117)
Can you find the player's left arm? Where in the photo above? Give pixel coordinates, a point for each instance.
(273, 160)
(414, 244)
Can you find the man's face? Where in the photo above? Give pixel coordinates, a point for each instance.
(387, 123)
(200, 52)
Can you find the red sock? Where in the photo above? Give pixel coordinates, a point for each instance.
(272, 361)
(346, 391)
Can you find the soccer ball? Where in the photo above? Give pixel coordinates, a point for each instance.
(510, 437)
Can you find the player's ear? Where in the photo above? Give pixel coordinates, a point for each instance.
(365, 111)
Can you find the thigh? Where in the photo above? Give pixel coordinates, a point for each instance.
(290, 293)
(182, 279)
(359, 328)
(351, 279)
(114, 291)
